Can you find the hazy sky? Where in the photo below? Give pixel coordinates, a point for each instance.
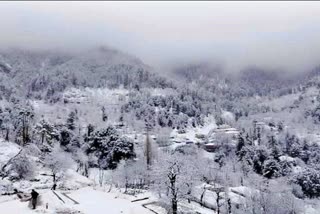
(274, 34)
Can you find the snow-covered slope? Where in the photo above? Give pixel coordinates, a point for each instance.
(7, 151)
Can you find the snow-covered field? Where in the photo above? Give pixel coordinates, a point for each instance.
(90, 201)
(94, 202)
(7, 151)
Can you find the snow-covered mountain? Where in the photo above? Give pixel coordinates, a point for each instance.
(41, 74)
(103, 124)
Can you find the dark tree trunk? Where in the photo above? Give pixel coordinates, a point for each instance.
(174, 206)
(7, 135)
(42, 138)
(86, 171)
(229, 206)
(218, 201)
(189, 193)
(174, 201)
(23, 130)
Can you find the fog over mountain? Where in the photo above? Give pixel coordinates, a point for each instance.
(274, 35)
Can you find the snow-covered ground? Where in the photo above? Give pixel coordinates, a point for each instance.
(94, 202)
(7, 151)
(90, 201)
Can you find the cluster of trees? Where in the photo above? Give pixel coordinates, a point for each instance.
(207, 89)
(57, 141)
(16, 121)
(45, 75)
(175, 111)
(261, 155)
(185, 176)
(279, 154)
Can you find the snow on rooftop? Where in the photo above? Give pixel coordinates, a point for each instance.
(286, 158)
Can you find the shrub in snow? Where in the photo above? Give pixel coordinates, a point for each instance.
(22, 167)
(271, 168)
(187, 149)
(314, 158)
(286, 166)
(309, 181)
(109, 147)
(220, 158)
(227, 118)
(292, 145)
(297, 191)
(131, 174)
(5, 186)
(31, 149)
(260, 155)
(65, 136)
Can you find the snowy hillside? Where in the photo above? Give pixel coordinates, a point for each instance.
(109, 134)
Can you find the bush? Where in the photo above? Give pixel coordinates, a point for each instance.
(22, 168)
(271, 168)
(309, 181)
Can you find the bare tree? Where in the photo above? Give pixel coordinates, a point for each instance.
(174, 178)
(57, 161)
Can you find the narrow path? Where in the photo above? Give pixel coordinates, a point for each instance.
(150, 203)
(67, 196)
(58, 197)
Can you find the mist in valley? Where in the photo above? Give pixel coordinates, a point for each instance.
(160, 107)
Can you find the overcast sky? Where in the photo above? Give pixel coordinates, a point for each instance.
(273, 34)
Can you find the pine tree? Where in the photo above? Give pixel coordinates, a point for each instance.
(241, 144)
(71, 120)
(275, 148)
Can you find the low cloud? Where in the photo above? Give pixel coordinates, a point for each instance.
(271, 34)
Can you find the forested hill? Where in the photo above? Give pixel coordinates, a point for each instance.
(44, 74)
(255, 127)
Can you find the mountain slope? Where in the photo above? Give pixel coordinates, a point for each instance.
(40, 75)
